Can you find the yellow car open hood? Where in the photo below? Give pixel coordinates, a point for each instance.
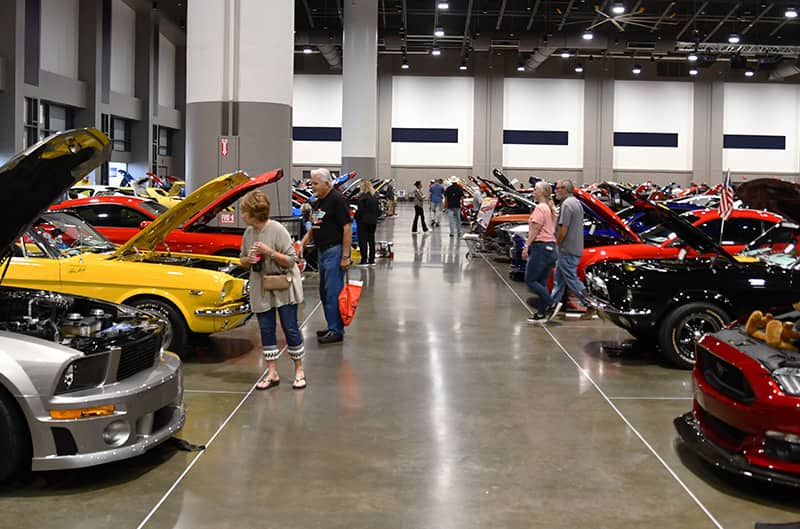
(156, 232)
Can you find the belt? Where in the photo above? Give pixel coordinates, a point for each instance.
(543, 242)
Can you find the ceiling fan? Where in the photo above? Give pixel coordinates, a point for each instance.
(634, 18)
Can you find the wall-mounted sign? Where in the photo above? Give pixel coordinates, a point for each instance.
(223, 147)
(227, 218)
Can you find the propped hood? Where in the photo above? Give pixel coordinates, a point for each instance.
(200, 206)
(35, 178)
(659, 213)
(606, 215)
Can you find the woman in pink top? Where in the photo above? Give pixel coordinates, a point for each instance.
(541, 250)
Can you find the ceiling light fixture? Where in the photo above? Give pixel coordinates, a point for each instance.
(588, 35)
(463, 66)
(307, 50)
(438, 32)
(579, 68)
(790, 12)
(565, 55)
(436, 52)
(692, 57)
(521, 68)
(443, 5)
(733, 38)
(749, 72)
(637, 69)
(693, 71)
(405, 65)
(618, 8)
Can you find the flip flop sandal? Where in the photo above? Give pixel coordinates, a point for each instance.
(270, 383)
(299, 383)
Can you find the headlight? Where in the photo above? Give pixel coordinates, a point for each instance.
(788, 378)
(226, 289)
(83, 373)
(245, 288)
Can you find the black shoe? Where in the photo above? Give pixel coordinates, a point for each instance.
(537, 317)
(322, 333)
(330, 337)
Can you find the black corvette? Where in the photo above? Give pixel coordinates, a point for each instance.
(673, 303)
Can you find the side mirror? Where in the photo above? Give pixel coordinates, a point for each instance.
(144, 224)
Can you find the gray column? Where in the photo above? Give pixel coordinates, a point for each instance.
(360, 87)
(709, 100)
(598, 130)
(146, 88)
(385, 120)
(90, 60)
(12, 57)
(487, 143)
(239, 82)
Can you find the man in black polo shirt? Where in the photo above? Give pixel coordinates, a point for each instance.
(452, 203)
(332, 234)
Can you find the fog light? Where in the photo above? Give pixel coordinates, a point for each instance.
(117, 433)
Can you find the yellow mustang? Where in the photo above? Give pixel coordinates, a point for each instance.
(192, 293)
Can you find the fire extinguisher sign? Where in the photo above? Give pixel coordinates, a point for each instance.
(223, 147)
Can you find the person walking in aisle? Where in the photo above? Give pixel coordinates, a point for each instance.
(541, 250)
(367, 218)
(452, 202)
(437, 199)
(569, 236)
(331, 230)
(419, 212)
(267, 249)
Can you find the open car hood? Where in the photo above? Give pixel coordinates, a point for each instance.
(660, 213)
(199, 207)
(606, 215)
(36, 177)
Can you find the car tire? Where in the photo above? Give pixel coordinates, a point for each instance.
(177, 331)
(15, 444)
(686, 324)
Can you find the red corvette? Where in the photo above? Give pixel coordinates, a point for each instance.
(742, 226)
(120, 217)
(746, 416)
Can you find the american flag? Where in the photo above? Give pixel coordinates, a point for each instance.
(726, 197)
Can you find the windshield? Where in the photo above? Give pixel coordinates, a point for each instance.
(778, 245)
(61, 234)
(660, 233)
(153, 207)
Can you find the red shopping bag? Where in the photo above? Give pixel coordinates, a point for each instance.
(348, 299)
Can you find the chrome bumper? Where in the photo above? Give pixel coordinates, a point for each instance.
(224, 312)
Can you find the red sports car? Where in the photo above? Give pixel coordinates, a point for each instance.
(120, 217)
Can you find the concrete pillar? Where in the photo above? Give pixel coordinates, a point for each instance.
(360, 87)
(385, 120)
(709, 100)
(146, 89)
(12, 58)
(598, 130)
(239, 82)
(488, 103)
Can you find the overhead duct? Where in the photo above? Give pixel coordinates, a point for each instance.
(331, 54)
(784, 70)
(538, 57)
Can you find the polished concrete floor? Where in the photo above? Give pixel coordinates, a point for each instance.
(442, 409)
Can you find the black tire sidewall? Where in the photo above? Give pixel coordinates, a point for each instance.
(671, 326)
(14, 441)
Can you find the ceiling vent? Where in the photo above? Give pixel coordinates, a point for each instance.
(640, 45)
(672, 69)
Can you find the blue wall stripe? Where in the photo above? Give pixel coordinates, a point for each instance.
(536, 137)
(408, 135)
(752, 141)
(645, 139)
(317, 133)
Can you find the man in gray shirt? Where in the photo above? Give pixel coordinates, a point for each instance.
(569, 237)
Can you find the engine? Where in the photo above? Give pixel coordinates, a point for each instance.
(84, 324)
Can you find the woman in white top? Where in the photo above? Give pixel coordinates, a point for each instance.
(541, 250)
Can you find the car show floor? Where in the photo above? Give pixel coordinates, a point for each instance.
(443, 408)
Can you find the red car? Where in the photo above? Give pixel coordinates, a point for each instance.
(741, 227)
(746, 416)
(120, 217)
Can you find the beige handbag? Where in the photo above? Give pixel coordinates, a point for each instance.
(276, 281)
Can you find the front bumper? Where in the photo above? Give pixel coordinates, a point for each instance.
(625, 318)
(216, 319)
(689, 429)
(149, 403)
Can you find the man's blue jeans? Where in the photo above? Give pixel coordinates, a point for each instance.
(567, 276)
(541, 258)
(331, 281)
(454, 216)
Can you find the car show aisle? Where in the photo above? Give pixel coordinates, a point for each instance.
(443, 408)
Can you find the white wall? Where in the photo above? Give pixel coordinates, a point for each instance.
(544, 104)
(317, 102)
(668, 107)
(166, 72)
(123, 48)
(59, 41)
(433, 102)
(762, 109)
